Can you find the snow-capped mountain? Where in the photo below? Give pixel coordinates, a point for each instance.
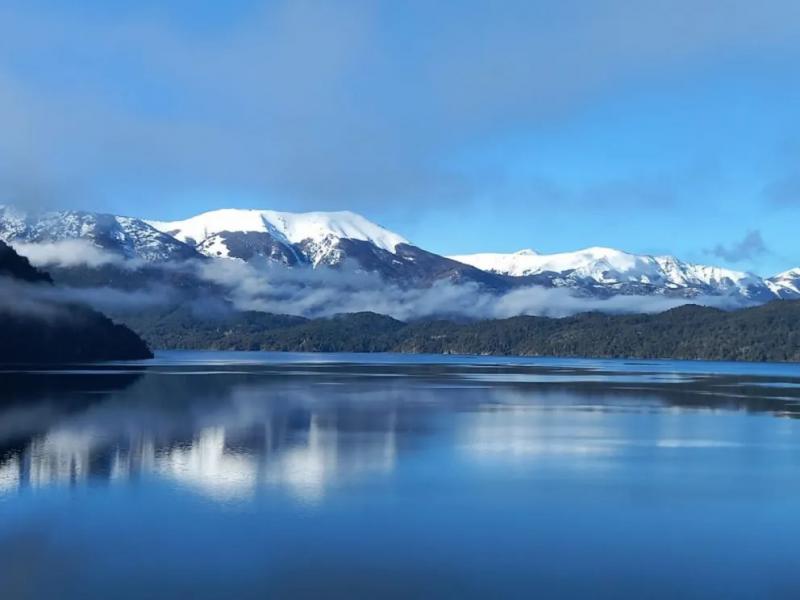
(125, 236)
(318, 239)
(786, 285)
(595, 269)
(311, 240)
(312, 237)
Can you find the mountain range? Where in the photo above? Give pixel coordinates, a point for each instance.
(606, 270)
(333, 239)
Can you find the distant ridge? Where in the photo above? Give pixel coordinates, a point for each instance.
(636, 273)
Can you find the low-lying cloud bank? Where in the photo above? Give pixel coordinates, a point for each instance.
(23, 299)
(71, 253)
(325, 292)
(45, 301)
(271, 288)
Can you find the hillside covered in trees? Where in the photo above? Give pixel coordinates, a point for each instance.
(38, 326)
(765, 333)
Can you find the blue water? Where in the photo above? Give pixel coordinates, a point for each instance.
(252, 475)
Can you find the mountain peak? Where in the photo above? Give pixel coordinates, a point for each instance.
(285, 227)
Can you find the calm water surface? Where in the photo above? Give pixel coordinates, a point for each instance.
(253, 475)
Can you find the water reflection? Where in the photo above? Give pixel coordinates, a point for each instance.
(10, 474)
(222, 441)
(523, 435)
(217, 479)
(233, 431)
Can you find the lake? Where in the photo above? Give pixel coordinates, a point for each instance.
(253, 475)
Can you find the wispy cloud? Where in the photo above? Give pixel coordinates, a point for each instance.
(71, 253)
(273, 288)
(325, 292)
(750, 247)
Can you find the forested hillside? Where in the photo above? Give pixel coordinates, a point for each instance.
(766, 333)
(38, 327)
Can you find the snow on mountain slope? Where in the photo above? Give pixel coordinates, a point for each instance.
(518, 264)
(125, 236)
(616, 269)
(317, 231)
(786, 284)
(681, 273)
(602, 264)
(321, 239)
(341, 239)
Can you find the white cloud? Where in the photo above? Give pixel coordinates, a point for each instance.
(326, 292)
(69, 253)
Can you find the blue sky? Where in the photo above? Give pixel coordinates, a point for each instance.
(466, 126)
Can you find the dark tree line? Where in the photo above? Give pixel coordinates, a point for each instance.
(765, 333)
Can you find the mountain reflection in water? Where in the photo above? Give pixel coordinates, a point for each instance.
(222, 441)
(222, 476)
(226, 432)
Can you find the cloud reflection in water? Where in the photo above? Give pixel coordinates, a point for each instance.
(225, 445)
